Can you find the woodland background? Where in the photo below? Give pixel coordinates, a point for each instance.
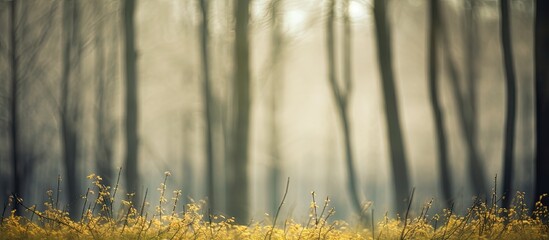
(358, 100)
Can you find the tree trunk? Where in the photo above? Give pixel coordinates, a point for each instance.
(69, 104)
(105, 128)
(342, 96)
(208, 138)
(541, 48)
(397, 152)
(469, 98)
(510, 118)
(237, 200)
(275, 170)
(471, 63)
(444, 165)
(466, 117)
(13, 106)
(132, 141)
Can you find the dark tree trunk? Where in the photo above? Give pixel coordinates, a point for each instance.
(13, 106)
(397, 152)
(444, 165)
(69, 104)
(342, 96)
(471, 36)
(208, 137)
(510, 118)
(541, 48)
(132, 142)
(237, 199)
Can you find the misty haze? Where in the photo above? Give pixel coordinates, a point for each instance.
(374, 104)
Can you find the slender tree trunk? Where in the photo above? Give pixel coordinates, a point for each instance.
(468, 102)
(13, 106)
(397, 152)
(444, 165)
(69, 104)
(237, 200)
(541, 48)
(275, 171)
(224, 108)
(510, 119)
(132, 141)
(471, 63)
(104, 131)
(209, 150)
(342, 96)
(466, 119)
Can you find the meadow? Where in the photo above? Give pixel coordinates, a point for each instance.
(98, 220)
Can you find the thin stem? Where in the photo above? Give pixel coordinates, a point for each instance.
(270, 234)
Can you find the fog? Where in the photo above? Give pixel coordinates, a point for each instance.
(309, 145)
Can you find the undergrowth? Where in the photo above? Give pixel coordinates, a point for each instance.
(98, 220)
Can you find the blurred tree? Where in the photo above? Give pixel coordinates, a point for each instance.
(541, 48)
(26, 36)
(13, 104)
(105, 70)
(343, 94)
(444, 165)
(70, 104)
(276, 70)
(224, 112)
(510, 118)
(5, 103)
(470, 61)
(206, 94)
(186, 116)
(237, 175)
(397, 152)
(132, 115)
(466, 100)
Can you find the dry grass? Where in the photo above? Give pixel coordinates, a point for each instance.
(98, 221)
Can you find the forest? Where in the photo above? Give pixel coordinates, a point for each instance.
(252, 107)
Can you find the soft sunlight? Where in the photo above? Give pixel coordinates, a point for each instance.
(295, 20)
(358, 10)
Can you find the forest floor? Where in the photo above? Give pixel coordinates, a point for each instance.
(483, 220)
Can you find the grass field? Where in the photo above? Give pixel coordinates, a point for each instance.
(483, 220)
